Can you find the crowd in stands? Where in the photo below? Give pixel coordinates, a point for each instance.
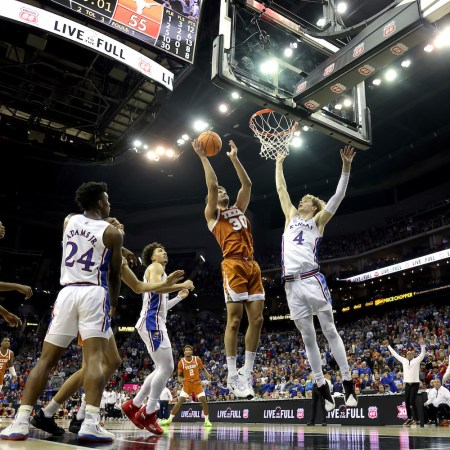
(281, 367)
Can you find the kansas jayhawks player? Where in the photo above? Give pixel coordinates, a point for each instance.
(306, 289)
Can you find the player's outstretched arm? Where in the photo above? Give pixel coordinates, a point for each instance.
(113, 240)
(25, 290)
(288, 208)
(139, 287)
(154, 273)
(211, 183)
(324, 216)
(243, 197)
(11, 319)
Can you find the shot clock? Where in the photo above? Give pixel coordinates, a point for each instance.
(152, 22)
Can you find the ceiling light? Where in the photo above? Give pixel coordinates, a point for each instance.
(429, 48)
(305, 128)
(321, 22)
(338, 106)
(341, 7)
(406, 63)
(288, 52)
(160, 150)
(270, 66)
(443, 38)
(376, 81)
(297, 133)
(150, 154)
(180, 141)
(200, 125)
(235, 95)
(185, 137)
(391, 75)
(296, 141)
(347, 102)
(293, 45)
(170, 153)
(223, 108)
(145, 147)
(137, 143)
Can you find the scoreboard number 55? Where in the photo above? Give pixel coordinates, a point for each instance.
(135, 22)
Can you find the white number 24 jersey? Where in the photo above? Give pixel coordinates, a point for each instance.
(85, 258)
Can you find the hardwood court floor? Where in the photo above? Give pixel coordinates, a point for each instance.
(223, 436)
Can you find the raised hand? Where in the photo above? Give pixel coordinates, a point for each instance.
(188, 284)
(2, 231)
(280, 158)
(183, 293)
(25, 290)
(174, 277)
(233, 149)
(347, 155)
(12, 319)
(198, 148)
(129, 256)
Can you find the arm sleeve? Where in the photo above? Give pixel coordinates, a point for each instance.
(395, 354)
(173, 302)
(337, 198)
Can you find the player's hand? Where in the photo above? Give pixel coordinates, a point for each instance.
(174, 277)
(188, 284)
(421, 341)
(280, 158)
(129, 256)
(347, 155)
(12, 320)
(233, 150)
(2, 231)
(112, 312)
(183, 293)
(25, 290)
(116, 224)
(385, 343)
(124, 262)
(198, 148)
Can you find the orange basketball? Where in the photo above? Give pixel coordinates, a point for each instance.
(210, 142)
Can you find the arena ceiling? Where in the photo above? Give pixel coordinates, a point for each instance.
(411, 125)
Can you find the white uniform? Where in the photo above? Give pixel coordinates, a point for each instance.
(306, 289)
(151, 325)
(83, 304)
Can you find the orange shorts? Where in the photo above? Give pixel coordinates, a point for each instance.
(192, 387)
(242, 280)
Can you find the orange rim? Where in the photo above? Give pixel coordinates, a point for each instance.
(261, 112)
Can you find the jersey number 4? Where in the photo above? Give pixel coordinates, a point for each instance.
(299, 238)
(85, 260)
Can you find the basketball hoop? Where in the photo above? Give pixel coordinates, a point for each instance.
(274, 131)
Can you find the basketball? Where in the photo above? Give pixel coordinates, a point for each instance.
(210, 142)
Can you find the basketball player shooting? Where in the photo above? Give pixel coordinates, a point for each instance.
(241, 273)
(307, 293)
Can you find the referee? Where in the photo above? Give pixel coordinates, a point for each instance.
(411, 368)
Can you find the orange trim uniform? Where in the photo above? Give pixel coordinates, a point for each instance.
(241, 273)
(4, 363)
(191, 375)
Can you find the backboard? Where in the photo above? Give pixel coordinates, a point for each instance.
(270, 56)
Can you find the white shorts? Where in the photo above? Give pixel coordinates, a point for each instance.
(154, 339)
(79, 309)
(307, 296)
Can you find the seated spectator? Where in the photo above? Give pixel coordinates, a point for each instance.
(438, 404)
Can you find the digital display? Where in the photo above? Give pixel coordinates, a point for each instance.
(170, 25)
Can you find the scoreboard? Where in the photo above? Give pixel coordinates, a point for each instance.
(170, 28)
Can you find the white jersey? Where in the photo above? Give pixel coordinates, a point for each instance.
(85, 258)
(154, 310)
(300, 247)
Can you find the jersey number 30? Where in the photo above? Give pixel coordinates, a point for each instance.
(85, 260)
(238, 222)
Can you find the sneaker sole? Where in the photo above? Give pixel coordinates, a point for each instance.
(156, 433)
(133, 419)
(14, 437)
(93, 438)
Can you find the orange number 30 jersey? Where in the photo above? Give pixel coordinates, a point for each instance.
(4, 363)
(190, 368)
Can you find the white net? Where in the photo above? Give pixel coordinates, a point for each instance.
(274, 131)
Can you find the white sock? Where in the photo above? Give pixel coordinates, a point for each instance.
(50, 410)
(249, 361)
(151, 405)
(23, 415)
(207, 417)
(92, 413)
(231, 363)
(171, 417)
(138, 400)
(81, 414)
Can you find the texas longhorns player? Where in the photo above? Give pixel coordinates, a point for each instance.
(189, 369)
(6, 360)
(241, 273)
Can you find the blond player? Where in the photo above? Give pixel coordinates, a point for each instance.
(189, 369)
(241, 273)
